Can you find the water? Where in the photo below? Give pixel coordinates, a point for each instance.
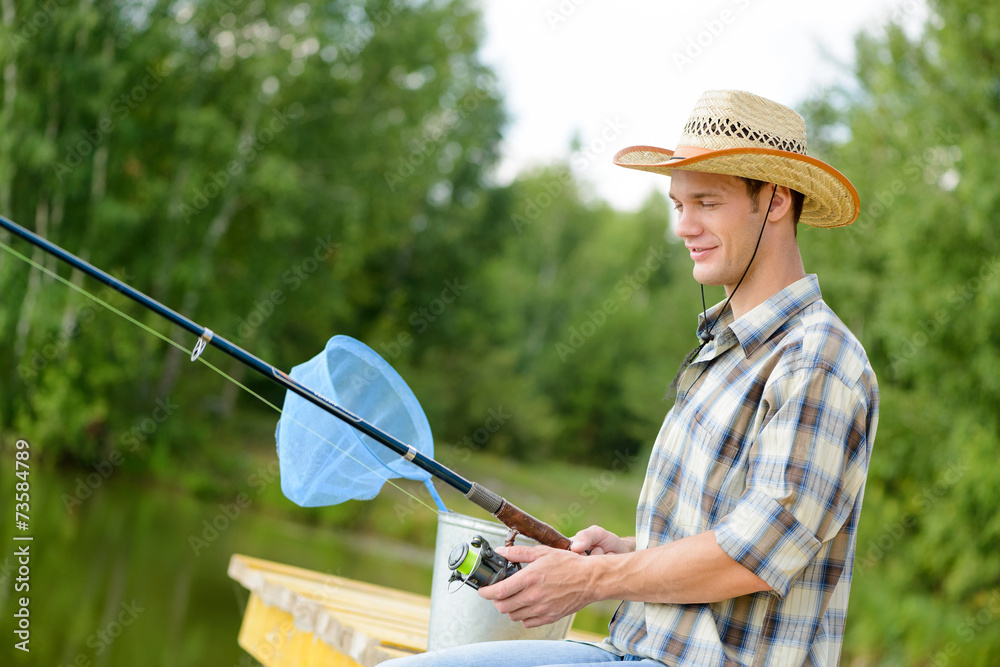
(136, 574)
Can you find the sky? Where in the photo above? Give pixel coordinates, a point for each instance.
(629, 72)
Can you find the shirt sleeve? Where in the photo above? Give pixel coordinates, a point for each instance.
(806, 468)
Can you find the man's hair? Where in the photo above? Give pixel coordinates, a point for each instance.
(753, 190)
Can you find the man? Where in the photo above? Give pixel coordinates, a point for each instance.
(746, 524)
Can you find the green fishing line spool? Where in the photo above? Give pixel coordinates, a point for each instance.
(476, 564)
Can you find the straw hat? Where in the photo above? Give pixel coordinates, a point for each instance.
(741, 134)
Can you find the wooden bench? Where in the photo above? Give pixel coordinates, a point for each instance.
(300, 618)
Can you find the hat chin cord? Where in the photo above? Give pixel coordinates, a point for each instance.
(705, 334)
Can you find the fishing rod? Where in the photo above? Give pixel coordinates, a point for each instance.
(507, 513)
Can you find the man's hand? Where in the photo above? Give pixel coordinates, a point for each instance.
(553, 583)
(598, 541)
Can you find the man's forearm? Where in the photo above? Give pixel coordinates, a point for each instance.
(692, 570)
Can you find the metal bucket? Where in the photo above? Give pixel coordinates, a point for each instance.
(462, 617)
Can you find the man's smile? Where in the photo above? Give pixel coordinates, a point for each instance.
(697, 252)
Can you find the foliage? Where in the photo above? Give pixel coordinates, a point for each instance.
(918, 134)
(283, 172)
(268, 169)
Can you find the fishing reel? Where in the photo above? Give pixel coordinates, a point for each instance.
(476, 564)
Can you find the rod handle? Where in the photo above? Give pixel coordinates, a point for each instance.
(514, 517)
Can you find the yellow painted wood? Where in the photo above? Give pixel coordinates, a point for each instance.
(270, 636)
(301, 618)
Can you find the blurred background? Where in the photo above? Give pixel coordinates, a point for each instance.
(433, 178)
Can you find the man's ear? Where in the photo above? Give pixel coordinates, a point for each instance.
(782, 203)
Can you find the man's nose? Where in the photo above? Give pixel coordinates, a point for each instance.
(687, 224)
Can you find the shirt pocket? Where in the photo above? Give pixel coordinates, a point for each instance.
(722, 451)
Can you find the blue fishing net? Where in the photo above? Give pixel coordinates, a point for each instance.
(323, 460)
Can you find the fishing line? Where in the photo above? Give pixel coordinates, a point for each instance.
(506, 512)
(202, 359)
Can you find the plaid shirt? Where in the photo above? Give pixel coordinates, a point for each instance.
(768, 446)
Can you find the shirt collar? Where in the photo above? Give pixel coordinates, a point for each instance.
(757, 326)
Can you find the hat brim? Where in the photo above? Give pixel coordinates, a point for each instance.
(830, 198)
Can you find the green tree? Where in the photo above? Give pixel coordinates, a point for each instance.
(279, 172)
(917, 278)
(580, 318)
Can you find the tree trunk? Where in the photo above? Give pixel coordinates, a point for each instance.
(34, 283)
(7, 166)
(42, 221)
(216, 230)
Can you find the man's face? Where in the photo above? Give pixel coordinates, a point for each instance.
(716, 220)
